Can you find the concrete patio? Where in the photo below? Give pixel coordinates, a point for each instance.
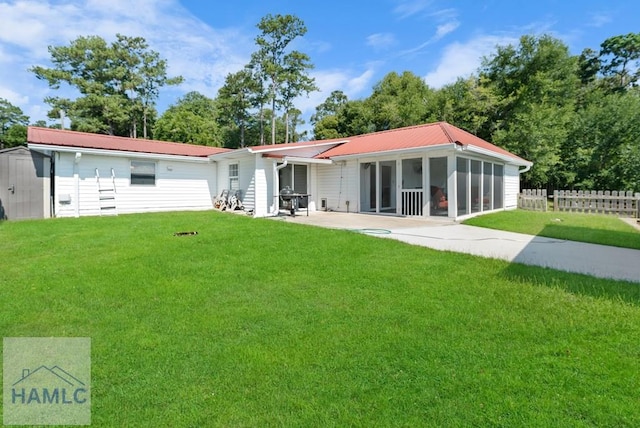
(448, 235)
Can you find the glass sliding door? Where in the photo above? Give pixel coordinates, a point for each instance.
(388, 187)
(368, 188)
(378, 187)
(439, 203)
(476, 190)
(294, 176)
(487, 186)
(462, 185)
(498, 186)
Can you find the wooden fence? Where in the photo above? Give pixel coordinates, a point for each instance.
(533, 200)
(624, 204)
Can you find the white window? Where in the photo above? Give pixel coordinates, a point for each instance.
(234, 180)
(143, 173)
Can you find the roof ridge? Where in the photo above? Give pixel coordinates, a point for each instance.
(445, 128)
(423, 125)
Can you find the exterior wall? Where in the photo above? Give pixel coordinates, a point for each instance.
(246, 179)
(338, 183)
(179, 185)
(263, 187)
(511, 186)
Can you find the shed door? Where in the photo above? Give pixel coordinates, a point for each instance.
(21, 191)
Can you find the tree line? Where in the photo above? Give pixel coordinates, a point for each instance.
(577, 117)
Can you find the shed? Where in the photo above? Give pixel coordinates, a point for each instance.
(25, 184)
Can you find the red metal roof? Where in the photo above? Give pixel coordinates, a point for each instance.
(57, 137)
(432, 134)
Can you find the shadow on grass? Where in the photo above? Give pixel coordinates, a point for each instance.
(614, 238)
(578, 284)
(579, 268)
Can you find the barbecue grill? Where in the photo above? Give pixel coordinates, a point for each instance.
(291, 200)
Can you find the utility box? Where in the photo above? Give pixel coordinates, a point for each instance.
(323, 204)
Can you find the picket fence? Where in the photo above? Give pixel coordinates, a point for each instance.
(624, 204)
(533, 200)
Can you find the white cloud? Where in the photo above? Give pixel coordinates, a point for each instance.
(463, 59)
(349, 82)
(444, 29)
(407, 8)
(600, 19)
(201, 54)
(381, 40)
(441, 31)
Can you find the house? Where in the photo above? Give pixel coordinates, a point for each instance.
(24, 184)
(428, 170)
(96, 174)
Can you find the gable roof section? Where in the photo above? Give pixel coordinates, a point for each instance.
(73, 139)
(429, 135)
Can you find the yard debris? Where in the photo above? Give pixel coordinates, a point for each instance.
(185, 233)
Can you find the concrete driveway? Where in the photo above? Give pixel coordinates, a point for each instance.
(445, 234)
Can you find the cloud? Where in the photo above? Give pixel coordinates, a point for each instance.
(201, 54)
(408, 8)
(381, 40)
(352, 83)
(444, 29)
(600, 19)
(441, 31)
(464, 59)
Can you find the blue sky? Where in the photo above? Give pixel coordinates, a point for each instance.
(352, 44)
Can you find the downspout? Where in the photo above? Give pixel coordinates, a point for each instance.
(276, 184)
(526, 169)
(76, 181)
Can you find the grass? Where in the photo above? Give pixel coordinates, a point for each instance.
(591, 228)
(258, 323)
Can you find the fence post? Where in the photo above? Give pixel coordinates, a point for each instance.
(555, 200)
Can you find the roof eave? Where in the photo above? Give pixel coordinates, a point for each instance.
(510, 159)
(405, 150)
(275, 147)
(49, 148)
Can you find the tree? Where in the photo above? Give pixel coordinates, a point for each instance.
(191, 120)
(119, 83)
(235, 101)
(536, 84)
(295, 82)
(605, 144)
(399, 100)
(619, 56)
(468, 104)
(330, 107)
(283, 71)
(13, 125)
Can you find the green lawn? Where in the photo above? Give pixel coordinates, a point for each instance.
(254, 322)
(593, 228)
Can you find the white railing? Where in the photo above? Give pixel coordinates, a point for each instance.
(412, 201)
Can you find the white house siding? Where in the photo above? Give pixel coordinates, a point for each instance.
(180, 185)
(263, 187)
(511, 186)
(246, 178)
(338, 183)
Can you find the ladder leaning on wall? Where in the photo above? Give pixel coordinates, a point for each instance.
(107, 194)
